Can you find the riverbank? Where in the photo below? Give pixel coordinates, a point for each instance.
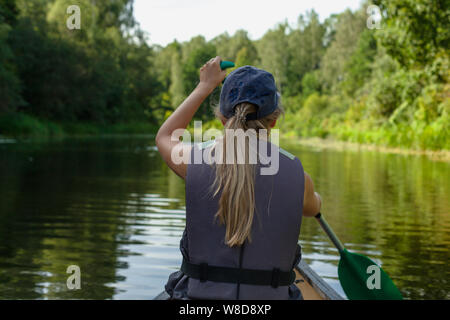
(22, 126)
(320, 143)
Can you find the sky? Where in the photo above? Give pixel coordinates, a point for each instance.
(167, 20)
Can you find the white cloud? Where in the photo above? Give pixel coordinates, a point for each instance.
(167, 20)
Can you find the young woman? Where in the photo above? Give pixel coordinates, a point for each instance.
(242, 226)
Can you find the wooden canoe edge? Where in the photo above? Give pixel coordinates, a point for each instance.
(322, 288)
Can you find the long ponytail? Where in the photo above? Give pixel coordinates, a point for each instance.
(236, 180)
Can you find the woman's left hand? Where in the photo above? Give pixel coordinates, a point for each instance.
(170, 146)
(211, 75)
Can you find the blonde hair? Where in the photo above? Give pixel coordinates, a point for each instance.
(236, 181)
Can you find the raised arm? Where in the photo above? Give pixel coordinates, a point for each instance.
(210, 77)
(311, 200)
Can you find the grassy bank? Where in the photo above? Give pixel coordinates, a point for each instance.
(415, 136)
(340, 145)
(18, 125)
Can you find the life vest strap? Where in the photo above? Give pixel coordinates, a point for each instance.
(205, 272)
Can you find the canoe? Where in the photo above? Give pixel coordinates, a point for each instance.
(312, 286)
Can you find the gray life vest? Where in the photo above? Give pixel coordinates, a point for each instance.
(274, 235)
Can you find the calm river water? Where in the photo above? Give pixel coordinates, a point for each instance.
(112, 207)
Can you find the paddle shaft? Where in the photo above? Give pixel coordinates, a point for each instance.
(326, 227)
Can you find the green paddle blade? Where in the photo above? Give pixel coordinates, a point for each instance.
(363, 279)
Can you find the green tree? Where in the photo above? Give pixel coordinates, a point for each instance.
(8, 12)
(229, 47)
(349, 26)
(310, 84)
(177, 90)
(196, 53)
(415, 31)
(274, 54)
(358, 68)
(244, 57)
(10, 97)
(306, 48)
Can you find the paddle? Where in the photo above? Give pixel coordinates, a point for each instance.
(360, 277)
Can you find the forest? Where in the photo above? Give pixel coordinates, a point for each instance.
(338, 78)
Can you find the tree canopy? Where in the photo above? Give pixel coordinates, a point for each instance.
(337, 77)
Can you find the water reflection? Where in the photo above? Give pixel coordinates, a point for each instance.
(113, 208)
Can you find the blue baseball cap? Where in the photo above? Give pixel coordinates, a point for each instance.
(252, 85)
